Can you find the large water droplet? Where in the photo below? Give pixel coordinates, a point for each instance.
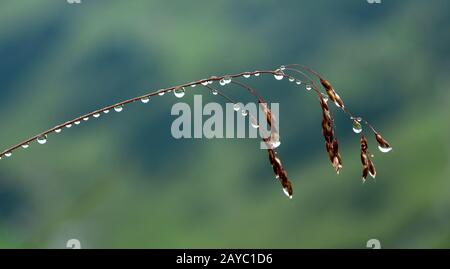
(275, 143)
(8, 154)
(193, 85)
(118, 108)
(226, 79)
(69, 125)
(298, 82)
(106, 111)
(246, 75)
(286, 192)
(96, 115)
(291, 79)
(25, 146)
(77, 122)
(145, 99)
(161, 93)
(384, 149)
(86, 118)
(58, 131)
(42, 139)
(257, 74)
(357, 128)
(236, 107)
(222, 82)
(278, 76)
(179, 92)
(308, 87)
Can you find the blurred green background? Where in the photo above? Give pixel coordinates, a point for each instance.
(123, 181)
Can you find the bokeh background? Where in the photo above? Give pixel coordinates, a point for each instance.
(123, 181)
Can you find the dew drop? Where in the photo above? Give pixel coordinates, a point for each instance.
(278, 76)
(286, 192)
(77, 122)
(86, 118)
(222, 82)
(308, 87)
(42, 139)
(25, 146)
(236, 107)
(106, 111)
(145, 99)
(210, 81)
(298, 82)
(255, 125)
(275, 144)
(179, 92)
(357, 128)
(193, 85)
(246, 75)
(384, 149)
(69, 125)
(282, 68)
(214, 92)
(244, 112)
(58, 131)
(8, 154)
(257, 74)
(291, 79)
(226, 79)
(204, 83)
(324, 97)
(96, 115)
(161, 93)
(118, 108)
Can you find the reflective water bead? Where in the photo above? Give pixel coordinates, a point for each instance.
(278, 76)
(357, 128)
(179, 92)
(145, 99)
(226, 79)
(118, 108)
(384, 149)
(42, 139)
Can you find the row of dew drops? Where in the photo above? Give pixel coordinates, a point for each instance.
(179, 92)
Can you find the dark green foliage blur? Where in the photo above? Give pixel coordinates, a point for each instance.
(123, 181)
